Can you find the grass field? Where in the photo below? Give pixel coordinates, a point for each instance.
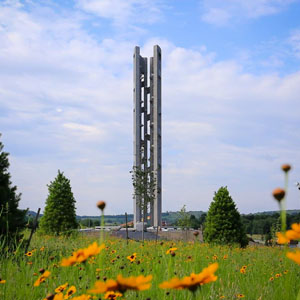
(267, 274)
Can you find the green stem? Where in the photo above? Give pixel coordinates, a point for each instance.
(102, 227)
(282, 204)
(298, 297)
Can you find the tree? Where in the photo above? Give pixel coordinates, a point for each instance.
(183, 220)
(223, 222)
(59, 215)
(144, 186)
(12, 219)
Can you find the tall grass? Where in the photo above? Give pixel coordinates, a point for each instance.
(263, 263)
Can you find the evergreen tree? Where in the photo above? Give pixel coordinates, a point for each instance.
(12, 220)
(223, 222)
(59, 215)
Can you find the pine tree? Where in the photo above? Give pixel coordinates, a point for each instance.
(59, 214)
(12, 219)
(223, 222)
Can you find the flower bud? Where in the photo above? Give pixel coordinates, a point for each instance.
(101, 205)
(278, 194)
(285, 167)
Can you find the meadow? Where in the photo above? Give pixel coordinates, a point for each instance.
(254, 273)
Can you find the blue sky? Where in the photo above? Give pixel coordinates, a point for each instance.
(231, 86)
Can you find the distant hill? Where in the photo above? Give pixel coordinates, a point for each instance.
(169, 217)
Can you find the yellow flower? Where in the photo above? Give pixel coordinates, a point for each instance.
(295, 256)
(294, 233)
(42, 248)
(240, 296)
(82, 297)
(70, 292)
(42, 278)
(29, 253)
(59, 296)
(82, 255)
(61, 288)
(139, 283)
(2, 281)
(132, 257)
(281, 238)
(111, 295)
(243, 270)
(193, 281)
(272, 278)
(169, 251)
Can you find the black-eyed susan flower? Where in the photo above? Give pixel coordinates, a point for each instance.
(29, 253)
(82, 297)
(240, 296)
(295, 256)
(2, 281)
(278, 275)
(111, 295)
(61, 288)
(132, 257)
(42, 278)
(82, 255)
(193, 281)
(171, 250)
(271, 278)
(121, 284)
(71, 291)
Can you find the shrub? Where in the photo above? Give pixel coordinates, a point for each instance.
(223, 222)
(59, 215)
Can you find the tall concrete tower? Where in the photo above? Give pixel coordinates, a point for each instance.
(147, 126)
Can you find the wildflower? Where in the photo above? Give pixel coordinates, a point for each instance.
(169, 251)
(61, 288)
(278, 275)
(272, 278)
(70, 292)
(42, 248)
(58, 296)
(82, 297)
(2, 281)
(285, 168)
(42, 278)
(215, 257)
(112, 295)
(132, 257)
(225, 256)
(101, 205)
(278, 194)
(222, 297)
(82, 255)
(295, 256)
(285, 272)
(193, 281)
(29, 253)
(139, 283)
(243, 270)
(240, 296)
(294, 233)
(281, 238)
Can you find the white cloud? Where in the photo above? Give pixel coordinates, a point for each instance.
(294, 41)
(220, 12)
(124, 12)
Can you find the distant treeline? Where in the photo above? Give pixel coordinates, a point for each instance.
(256, 223)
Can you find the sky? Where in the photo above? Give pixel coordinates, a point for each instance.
(230, 98)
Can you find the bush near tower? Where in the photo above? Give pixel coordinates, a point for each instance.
(59, 215)
(223, 222)
(12, 219)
